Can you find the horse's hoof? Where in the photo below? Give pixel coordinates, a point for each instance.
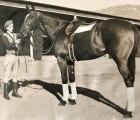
(72, 102)
(128, 115)
(62, 103)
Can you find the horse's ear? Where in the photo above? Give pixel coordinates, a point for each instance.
(33, 7)
(28, 9)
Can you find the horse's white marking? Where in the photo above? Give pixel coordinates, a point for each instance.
(73, 91)
(84, 28)
(65, 92)
(131, 99)
(26, 16)
(75, 16)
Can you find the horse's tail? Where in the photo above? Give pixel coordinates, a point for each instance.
(131, 59)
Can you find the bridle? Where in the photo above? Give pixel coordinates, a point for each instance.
(41, 26)
(49, 49)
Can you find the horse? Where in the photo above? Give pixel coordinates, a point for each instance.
(115, 37)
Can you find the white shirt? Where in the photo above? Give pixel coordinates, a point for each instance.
(11, 34)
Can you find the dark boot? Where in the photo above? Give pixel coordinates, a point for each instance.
(5, 94)
(15, 88)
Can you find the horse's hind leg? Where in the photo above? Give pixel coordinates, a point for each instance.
(129, 82)
(71, 71)
(64, 75)
(130, 85)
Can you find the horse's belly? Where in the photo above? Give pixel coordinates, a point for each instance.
(86, 55)
(86, 49)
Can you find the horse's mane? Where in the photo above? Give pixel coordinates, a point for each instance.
(51, 23)
(54, 17)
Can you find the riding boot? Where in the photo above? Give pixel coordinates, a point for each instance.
(15, 88)
(5, 94)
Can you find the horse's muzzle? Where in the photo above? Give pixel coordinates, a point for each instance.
(27, 34)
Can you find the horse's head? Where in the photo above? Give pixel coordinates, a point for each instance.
(30, 23)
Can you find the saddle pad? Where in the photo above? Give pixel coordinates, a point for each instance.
(83, 28)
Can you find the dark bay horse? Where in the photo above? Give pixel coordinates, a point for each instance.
(116, 37)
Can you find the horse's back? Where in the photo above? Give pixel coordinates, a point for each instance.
(116, 22)
(116, 28)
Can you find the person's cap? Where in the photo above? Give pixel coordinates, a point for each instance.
(7, 23)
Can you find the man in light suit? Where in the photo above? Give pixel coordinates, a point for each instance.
(11, 61)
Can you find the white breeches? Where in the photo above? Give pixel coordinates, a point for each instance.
(11, 68)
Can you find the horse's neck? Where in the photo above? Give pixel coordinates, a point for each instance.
(49, 25)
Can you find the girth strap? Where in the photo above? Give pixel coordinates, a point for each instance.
(71, 48)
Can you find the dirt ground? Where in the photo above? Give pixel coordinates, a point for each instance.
(100, 87)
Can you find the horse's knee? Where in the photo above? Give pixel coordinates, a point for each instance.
(71, 76)
(71, 71)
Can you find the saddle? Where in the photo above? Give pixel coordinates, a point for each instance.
(75, 23)
(70, 31)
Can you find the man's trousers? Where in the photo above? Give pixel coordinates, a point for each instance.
(11, 68)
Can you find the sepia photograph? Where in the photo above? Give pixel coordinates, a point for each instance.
(69, 60)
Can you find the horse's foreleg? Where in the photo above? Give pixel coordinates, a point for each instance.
(64, 75)
(71, 71)
(129, 82)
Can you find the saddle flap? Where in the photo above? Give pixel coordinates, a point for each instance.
(79, 26)
(83, 28)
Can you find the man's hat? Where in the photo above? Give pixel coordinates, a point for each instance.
(7, 23)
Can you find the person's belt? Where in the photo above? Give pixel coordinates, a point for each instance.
(13, 52)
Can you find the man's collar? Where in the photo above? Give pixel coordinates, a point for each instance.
(11, 34)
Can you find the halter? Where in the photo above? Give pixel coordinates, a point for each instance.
(53, 40)
(43, 30)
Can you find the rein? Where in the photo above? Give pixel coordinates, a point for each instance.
(43, 30)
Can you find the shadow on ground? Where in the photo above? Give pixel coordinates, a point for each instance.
(57, 88)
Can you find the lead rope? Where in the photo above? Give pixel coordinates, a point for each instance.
(24, 58)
